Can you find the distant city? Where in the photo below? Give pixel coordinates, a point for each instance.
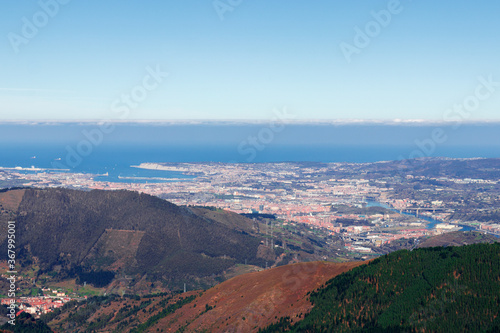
(331, 196)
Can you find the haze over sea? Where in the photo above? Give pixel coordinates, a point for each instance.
(67, 146)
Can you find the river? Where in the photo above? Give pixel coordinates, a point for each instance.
(432, 222)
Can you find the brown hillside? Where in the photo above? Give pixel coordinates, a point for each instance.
(227, 218)
(10, 200)
(252, 301)
(458, 238)
(118, 246)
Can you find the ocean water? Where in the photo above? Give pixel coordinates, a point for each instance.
(67, 147)
(117, 160)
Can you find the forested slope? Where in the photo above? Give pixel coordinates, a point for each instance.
(450, 289)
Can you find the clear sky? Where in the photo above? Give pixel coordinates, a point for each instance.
(240, 59)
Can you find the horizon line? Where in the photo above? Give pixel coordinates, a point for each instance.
(249, 121)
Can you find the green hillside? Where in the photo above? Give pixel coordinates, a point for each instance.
(452, 289)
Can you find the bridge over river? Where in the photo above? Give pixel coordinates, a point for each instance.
(415, 212)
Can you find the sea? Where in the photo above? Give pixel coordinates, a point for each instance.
(111, 155)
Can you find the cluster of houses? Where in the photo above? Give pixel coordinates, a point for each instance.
(493, 227)
(38, 305)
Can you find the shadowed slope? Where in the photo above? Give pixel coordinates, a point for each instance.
(67, 230)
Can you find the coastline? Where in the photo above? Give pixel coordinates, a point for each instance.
(158, 166)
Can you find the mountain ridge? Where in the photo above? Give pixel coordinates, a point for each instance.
(64, 230)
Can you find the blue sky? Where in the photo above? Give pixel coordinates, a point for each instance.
(243, 63)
